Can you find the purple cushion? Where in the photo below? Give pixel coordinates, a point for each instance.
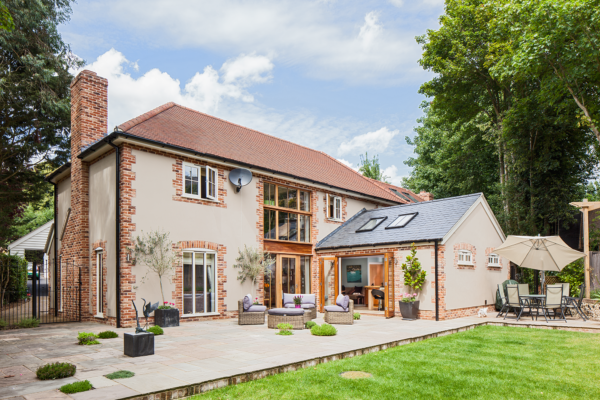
(342, 301)
(309, 299)
(254, 308)
(335, 309)
(247, 302)
(288, 298)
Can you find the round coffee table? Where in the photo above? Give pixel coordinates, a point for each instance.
(293, 316)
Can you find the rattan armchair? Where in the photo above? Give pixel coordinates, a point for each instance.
(341, 317)
(249, 317)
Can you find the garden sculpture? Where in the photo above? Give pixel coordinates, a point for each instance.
(149, 309)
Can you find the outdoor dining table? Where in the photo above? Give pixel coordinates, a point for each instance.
(534, 299)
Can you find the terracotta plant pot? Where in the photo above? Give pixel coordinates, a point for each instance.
(409, 310)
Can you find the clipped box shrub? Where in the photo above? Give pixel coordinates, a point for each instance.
(310, 324)
(120, 374)
(87, 338)
(108, 335)
(76, 387)
(356, 315)
(157, 330)
(324, 330)
(56, 370)
(28, 323)
(284, 329)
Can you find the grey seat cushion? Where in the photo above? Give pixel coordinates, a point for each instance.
(288, 298)
(335, 309)
(342, 301)
(247, 302)
(254, 308)
(286, 311)
(309, 299)
(305, 306)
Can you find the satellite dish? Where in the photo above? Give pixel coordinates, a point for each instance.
(240, 177)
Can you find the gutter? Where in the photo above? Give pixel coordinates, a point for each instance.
(57, 172)
(118, 229)
(115, 135)
(377, 244)
(437, 292)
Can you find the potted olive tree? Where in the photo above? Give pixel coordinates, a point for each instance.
(252, 263)
(414, 279)
(155, 251)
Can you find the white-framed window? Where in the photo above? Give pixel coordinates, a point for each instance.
(465, 257)
(199, 282)
(200, 181)
(494, 260)
(334, 207)
(99, 281)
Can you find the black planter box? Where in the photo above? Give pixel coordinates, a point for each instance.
(138, 344)
(166, 318)
(409, 310)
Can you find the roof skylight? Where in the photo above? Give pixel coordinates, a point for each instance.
(371, 224)
(401, 221)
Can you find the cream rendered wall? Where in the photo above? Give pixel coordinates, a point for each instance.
(427, 295)
(102, 214)
(234, 226)
(472, 287)
(64, 203)
(352, 207)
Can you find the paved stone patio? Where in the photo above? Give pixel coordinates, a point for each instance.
(198, 352)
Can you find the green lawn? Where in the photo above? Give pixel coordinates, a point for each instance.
(486, 363)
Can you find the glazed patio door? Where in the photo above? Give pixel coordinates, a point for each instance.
(289, 276)
(390, 296)
(328, 281)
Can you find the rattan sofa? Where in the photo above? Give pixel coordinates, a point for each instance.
(308, 304)
(340, 317)
(250, 317)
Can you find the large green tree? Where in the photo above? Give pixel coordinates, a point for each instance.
(497, 132)
(34, 103)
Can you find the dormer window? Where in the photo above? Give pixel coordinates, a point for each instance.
(199, 181)
(465, 257)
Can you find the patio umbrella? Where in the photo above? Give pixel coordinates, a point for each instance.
(544, 253)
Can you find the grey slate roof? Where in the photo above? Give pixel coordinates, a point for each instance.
(434, 220)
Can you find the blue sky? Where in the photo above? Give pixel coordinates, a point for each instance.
(337, 76)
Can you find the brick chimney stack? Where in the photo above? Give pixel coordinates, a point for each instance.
(425, 195)
(89, 112)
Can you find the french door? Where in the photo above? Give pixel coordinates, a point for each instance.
(199, 283)
(289, 274)
(328, 281)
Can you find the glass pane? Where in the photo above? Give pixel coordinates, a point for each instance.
(188, 173)
(270, 286)
(293, 199)
(304, 228)
(269, 224)
(330, 213)
(193, 188)
(305, 275)
(304, 201)
(338, 208)
(283, 196)
(188, 279)
(269, 194)
(288, 275)
(329, 283)
(293, 227)
(199, 287)
(211, 286)
(293, 286)
(212, 179)
(283, 226)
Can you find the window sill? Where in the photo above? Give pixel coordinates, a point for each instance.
(100, 315)
(494, 266)
(334, 220)
(188, 196)
(464, 264)
(200, 315)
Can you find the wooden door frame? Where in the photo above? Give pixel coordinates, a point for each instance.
(389, 282)
(322, 280)
(279, 273)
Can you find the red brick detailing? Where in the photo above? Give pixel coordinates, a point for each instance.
(328, 220)
(178, 182)
(221, 277)
(488, 251)
(94, 278)
(465, 246)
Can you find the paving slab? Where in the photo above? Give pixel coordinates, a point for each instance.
(152, 382)
(105, 393)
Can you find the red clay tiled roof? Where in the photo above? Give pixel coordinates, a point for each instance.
(389, 186)
(180, 126)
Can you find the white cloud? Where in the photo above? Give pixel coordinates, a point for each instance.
(129, 97)
(376, 141)
(348, 163)
(391, 173)
(332, 41)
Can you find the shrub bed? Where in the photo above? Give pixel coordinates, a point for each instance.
(87, 338)
(108, 335)
(120, 374)
(324, 330)
(28, 323)
(55, 371)
(284, 329)
(310, 324)
(157, 330)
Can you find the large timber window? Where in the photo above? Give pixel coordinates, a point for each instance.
(199, 181)
(334, 207)
(199, 282)
(286, 213)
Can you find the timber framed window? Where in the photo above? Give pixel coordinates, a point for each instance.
(200, 182)
(286, 213)
(334, 207)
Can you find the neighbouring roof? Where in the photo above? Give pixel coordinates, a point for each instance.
(34, 240)
(182, 127)
(433, 221)
(405, 195)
